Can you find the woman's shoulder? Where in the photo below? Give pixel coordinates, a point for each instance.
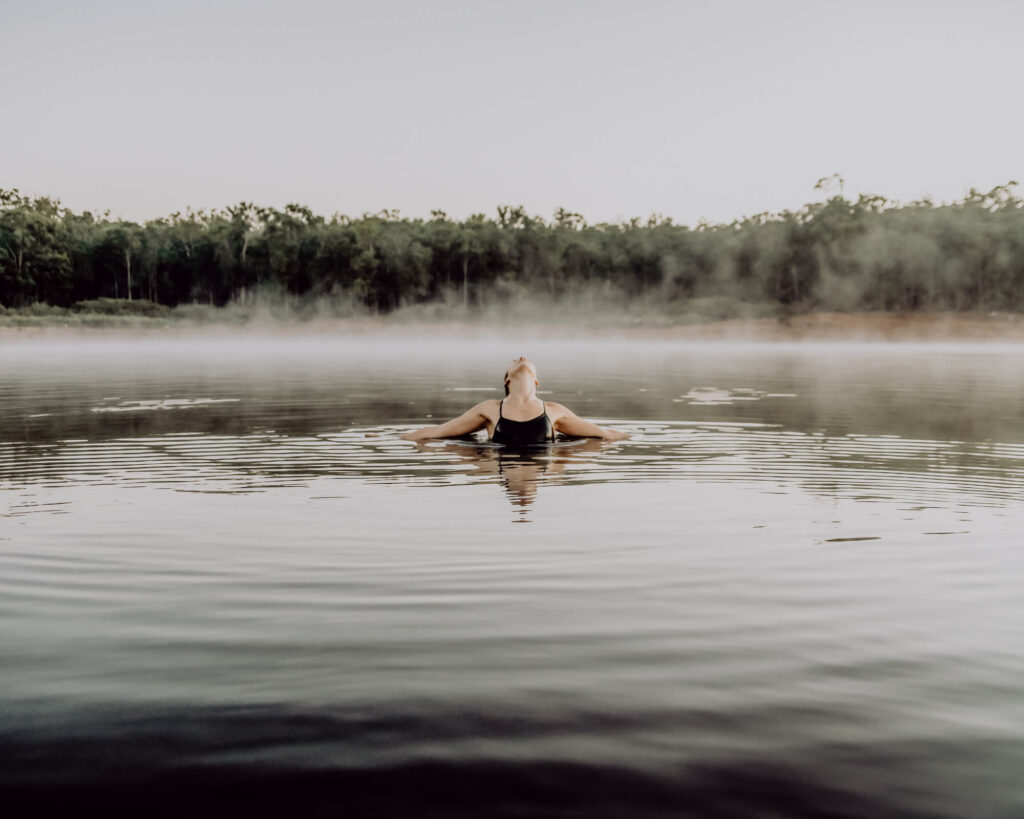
(554, 408)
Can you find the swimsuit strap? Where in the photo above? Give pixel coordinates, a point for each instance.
(501, 403)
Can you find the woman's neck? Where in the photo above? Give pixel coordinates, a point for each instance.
(522, 389)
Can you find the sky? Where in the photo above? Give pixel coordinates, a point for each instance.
(690, 110)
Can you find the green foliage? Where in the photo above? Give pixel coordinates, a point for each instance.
(120, 307)
(868, 254)
(34, 261)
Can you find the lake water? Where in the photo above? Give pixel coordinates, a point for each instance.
(226, 583)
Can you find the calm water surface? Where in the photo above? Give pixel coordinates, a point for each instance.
(225, 582)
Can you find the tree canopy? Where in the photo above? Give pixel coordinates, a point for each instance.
(837, 254)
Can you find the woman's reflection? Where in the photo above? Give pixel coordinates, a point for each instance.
(520, 471)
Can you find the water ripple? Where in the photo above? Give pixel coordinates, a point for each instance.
(796, 594)
(848, 466)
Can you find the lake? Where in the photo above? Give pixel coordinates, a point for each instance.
(227, 584)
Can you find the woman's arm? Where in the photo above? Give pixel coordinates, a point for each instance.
(469, 421)
(566, 421)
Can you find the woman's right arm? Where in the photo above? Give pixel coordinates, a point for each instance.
(468, 422)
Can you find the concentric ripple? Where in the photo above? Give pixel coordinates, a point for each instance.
(854, 466)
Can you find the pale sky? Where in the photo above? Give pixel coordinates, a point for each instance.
(612, 109)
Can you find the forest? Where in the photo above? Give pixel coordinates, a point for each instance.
(871, 254)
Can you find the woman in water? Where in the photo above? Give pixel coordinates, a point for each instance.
(521, 418)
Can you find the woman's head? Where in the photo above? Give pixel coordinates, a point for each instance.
(519, 367)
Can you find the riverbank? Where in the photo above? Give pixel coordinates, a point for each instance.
(895, 327)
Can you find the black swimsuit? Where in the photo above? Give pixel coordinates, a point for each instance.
(523, 433)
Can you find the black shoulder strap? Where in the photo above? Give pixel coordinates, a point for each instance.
(501, 403)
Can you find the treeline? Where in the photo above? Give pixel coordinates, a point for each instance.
(868, 254)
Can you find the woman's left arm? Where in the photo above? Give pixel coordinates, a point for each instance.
(566, 421)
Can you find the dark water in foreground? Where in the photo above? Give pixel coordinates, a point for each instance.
(226, 585)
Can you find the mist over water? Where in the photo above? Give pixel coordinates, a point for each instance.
(225, 580)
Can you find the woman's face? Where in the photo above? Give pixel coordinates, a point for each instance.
(520, 364)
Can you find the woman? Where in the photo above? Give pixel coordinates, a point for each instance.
(521, 418)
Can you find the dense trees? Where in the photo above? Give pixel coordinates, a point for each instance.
(868, 254)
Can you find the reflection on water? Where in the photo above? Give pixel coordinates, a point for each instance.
(792, 592)
(520, 471)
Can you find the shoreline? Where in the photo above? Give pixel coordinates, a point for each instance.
(809, 327)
